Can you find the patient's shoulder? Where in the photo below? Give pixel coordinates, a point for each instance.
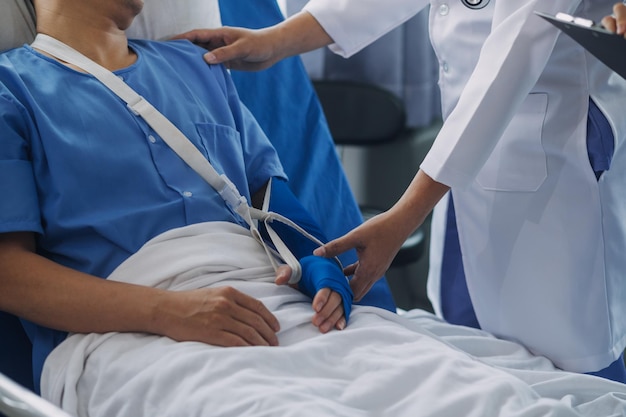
(176, 51)
(182, 55)
(180, 48)
(17, 61)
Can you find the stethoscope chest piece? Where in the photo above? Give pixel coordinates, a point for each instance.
(475, 4)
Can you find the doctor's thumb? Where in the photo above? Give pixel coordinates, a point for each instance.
(222, 55)
(334, 248)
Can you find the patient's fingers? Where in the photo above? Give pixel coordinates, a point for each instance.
(250, 329)
(253, 313)
(283, 273)
(328, 307)
(335, 320)
(321, 299)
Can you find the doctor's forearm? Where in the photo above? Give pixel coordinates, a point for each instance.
(298, 34)
(418, 201)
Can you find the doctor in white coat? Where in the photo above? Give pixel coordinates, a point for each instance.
(532, 148)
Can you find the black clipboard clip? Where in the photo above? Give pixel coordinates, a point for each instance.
(605, 45)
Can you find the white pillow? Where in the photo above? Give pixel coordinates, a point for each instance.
(17, 23)
(161, 19)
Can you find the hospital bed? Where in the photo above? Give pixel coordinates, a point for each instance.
(298, 131)
(384, 364)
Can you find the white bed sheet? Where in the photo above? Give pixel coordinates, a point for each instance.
(381, 365)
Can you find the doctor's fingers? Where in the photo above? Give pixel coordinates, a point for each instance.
(619, 11)
(617, 21)
(374, 257)
(237, 48)
(361, 285)
(358, 286)
(351, 240)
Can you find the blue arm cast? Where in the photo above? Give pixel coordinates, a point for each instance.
(317, 272)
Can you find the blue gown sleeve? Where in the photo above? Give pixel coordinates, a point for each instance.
(317, 272)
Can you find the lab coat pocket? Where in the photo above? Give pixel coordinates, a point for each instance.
(518, 162)
(222, 146)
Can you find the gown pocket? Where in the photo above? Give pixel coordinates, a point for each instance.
(222, 146)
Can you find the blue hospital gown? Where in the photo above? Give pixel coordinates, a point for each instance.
(93, 180)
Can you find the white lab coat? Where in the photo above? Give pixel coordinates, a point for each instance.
(543, 242)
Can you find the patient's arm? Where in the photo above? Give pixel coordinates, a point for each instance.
(331, 307)
(327, 304)
(245, 49)
(52, 295)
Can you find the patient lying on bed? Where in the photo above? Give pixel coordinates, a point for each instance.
(90, 190)
(86, 182)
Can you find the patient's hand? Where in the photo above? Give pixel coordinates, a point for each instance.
(616, 22)
(220, 316)
(327, 304)
(329, 312)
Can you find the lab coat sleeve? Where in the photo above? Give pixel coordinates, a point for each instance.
(354, 24)
(511, 61)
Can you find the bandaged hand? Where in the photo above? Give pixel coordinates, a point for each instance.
(323, 281)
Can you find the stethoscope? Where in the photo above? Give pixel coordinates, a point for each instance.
(475, 4)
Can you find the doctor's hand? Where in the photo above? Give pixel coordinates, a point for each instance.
(377, 241)
(238, 48)
(220, 316)
(617, 21)
(252, 50)
(327, 304)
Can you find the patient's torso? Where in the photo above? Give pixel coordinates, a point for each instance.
(101, 181)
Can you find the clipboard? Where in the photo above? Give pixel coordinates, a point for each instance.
(607, 46)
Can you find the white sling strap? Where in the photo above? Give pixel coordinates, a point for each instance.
(187, 151)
